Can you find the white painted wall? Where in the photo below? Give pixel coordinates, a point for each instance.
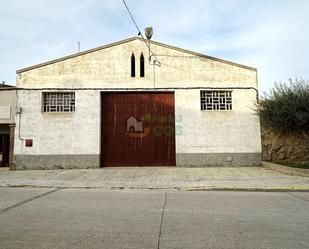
(7, 105)
(110, 68)
(59, 133)
(236, 131)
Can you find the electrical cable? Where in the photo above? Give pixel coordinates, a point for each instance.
(134, 89)
(140, 33)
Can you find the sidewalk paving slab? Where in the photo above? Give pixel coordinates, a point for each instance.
(227, 178)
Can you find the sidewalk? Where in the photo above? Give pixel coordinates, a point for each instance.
(240, 178)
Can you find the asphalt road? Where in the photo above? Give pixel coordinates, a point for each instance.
(89, 218)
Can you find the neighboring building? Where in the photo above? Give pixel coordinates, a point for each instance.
(7, 124)
(109, 106)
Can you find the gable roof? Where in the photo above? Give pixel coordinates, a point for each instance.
(3, 85)
(129, 40)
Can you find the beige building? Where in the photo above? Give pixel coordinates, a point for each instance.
(117, 106)
(7, 124)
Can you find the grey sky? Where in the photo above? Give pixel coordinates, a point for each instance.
(270, 35)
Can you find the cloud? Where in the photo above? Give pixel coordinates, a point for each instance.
(270, 35)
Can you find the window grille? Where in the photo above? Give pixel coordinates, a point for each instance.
(59, 102)
(216, 100)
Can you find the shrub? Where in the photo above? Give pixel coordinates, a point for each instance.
(286, 107)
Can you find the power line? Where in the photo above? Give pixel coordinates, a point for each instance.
(109, 89)
(140, 33)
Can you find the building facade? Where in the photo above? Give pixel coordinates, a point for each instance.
(7, 124)
(117, 106)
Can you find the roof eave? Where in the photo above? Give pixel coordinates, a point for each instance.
(129, 40)
(202, 55)
(22, 70)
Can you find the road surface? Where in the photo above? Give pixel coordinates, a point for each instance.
(40, 218)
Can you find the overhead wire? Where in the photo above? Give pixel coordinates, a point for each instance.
(111, 89)
(140, 33)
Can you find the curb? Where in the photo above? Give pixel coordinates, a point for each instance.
(286, 170)
(209, 188)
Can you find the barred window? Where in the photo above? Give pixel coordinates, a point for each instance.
(59, 102)
(216, 100)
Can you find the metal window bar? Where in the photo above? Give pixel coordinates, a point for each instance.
(216, 100)
(59, 102)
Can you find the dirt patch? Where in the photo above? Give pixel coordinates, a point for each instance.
(284, 147)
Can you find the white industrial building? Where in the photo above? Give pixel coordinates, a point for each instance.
(113, 106)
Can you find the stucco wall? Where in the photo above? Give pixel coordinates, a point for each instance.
(59, 133)
(233, 131)
(8, 99)
(110, 68)
(217, 138)
(211, 136)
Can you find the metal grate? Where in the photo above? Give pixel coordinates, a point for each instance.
(216, 100)
(59, 102)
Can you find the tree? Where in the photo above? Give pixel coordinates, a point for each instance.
(286, 107)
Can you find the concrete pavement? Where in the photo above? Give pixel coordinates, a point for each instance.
(95, 218)
(241, 178)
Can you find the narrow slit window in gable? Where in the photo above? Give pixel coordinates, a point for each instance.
(132, 65)
(142, 66)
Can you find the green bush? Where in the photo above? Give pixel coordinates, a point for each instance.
(286, 107)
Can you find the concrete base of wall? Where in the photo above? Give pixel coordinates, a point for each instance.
(218, 159)
(93, 161)
(56, 161)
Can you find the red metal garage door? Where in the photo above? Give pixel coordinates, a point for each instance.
(138, 129)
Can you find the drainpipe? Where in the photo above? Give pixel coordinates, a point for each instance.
(19, 112)
(11, 150)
